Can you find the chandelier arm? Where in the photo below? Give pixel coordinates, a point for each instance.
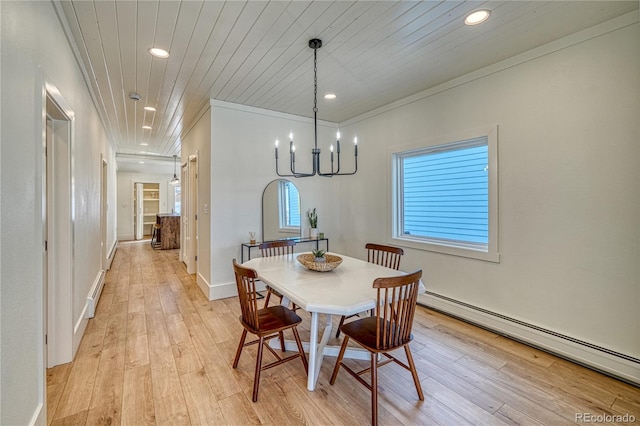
(351, 173)
(292, 162)
(337, 172)
(282, 174)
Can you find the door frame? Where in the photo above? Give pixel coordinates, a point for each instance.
(58, 231)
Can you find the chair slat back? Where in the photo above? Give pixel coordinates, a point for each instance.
(277, 248)
(397, 297)
(246, 283)
(384, 255)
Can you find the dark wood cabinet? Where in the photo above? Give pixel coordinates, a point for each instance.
(169, 232)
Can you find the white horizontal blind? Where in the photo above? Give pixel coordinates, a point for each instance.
(445, 193)
(292, 207)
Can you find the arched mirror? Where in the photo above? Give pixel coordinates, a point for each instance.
(280, 211)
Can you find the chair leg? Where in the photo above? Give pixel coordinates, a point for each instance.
(340, 325)
(414, 372)
(281, 337)
(240, 346)
(343, 348)
(256, 378)
(374, 389)
(300, 349)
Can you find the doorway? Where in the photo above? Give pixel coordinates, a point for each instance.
(57, 229)
(147, 199)
(103, 213)
(189, 215)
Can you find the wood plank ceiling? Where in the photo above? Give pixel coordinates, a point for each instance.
(256, 53)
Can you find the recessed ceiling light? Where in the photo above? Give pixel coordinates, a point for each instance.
(144, 144)
(159, 53)
(330, 96)
(477, 17)
(141, 162)
(146, 127)
(149, 108)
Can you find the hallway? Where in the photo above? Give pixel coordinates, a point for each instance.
(158, 352)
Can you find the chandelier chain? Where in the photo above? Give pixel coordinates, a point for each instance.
(315, 80)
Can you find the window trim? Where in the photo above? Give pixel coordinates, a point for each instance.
(469, 250)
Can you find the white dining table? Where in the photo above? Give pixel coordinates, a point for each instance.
(346, 290)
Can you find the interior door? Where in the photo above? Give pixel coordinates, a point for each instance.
(139, 211)
(190, 214)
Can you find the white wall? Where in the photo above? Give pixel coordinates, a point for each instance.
(242, 164)
(126, 181)
(35, 51)
(197, 142)
(569, 189)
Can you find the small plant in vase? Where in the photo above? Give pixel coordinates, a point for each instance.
(318, 256)
(312, 216)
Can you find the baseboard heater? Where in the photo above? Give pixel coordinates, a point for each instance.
(94, 295)
(624, 370)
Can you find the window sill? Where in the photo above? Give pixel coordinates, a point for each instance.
(487, 256)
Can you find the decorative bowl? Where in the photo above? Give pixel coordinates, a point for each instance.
(330, 264)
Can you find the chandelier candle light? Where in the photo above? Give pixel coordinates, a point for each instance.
(316, 44)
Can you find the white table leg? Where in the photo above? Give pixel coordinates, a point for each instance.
(313, 352)
(316, 350)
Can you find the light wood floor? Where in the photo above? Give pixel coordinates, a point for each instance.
(158, 352)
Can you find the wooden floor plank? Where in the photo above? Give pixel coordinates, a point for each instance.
(237, 409)
(158, 352)
(106, 401)
(136, 351)
(203, 408)
(137, 401)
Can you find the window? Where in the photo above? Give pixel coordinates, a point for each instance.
(446, 197)
(176, 198)
(289, 205)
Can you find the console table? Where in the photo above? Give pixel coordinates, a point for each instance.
(246, 247)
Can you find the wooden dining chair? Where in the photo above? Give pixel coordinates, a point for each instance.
(388, 330)
(276, 248)
(388, 256)
(379, 254)
(265, 323)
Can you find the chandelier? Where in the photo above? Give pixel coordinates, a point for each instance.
(316, 44)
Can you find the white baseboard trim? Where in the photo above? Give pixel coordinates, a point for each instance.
(111, 255)
(125, 237)
(204, 285)
(78, 331)
(38, 417)
(224, 290)
(622, 366)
